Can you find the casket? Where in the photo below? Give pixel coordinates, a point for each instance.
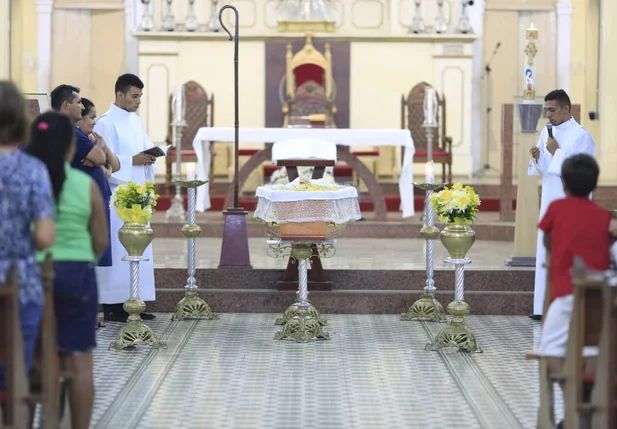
(314, 211)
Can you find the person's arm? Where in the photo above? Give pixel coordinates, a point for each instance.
(112, 159)
(584, 144)
(96, 157)
(42, 210)
(86, 153)
(546, 225)
(545, 156)
(99, 233)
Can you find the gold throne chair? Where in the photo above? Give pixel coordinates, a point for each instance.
(309, 89)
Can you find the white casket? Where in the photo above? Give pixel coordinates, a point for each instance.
(307, 209)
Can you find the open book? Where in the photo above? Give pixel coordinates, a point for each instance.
(157, 151)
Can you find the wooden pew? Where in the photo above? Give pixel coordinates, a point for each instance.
(585, 327)
(546, 410)
(604, 398)
(46, 375)
(15, 409)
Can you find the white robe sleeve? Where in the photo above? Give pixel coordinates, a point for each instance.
(123, 175)
(584, 144)
(149, 170)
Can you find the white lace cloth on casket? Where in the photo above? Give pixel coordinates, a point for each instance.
(279, 204)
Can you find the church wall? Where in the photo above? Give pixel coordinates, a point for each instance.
(5, 40)
(24, 46)
(608, 91)
(88, 49)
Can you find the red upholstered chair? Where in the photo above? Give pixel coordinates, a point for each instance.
(412, 117)
(199, 113)
(309, 87)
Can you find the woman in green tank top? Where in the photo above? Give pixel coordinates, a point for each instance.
(81, 238)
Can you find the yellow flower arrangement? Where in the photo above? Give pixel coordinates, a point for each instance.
(457, 205)
(134, 202)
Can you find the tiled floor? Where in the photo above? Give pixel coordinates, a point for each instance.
(351, 253)
(373, 373)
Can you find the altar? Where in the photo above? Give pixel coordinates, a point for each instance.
(339, 136)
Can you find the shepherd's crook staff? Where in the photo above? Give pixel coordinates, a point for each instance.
(235, 247)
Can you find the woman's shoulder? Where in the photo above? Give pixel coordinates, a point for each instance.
(32, 166)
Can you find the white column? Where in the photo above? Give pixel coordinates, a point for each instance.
(133, 9)
(478, 116)
(44, 9)
(564, 43)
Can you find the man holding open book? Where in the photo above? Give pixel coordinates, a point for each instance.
(126, 136)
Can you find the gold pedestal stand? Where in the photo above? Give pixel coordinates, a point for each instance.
(427, 307)
(457, 239)
(135, 238)
(192, 306)
(302, 322)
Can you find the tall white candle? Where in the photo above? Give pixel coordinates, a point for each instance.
(429, 172)
(190, 171)
(178, 104)
(529, 67)
(430, 106)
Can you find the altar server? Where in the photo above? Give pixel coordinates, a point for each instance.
(562, 138)
(126, 136)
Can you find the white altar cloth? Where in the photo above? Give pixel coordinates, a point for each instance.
(340, 136)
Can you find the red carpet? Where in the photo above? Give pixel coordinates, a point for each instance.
(392, 203)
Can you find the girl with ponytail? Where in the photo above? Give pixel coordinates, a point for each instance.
(82, 237)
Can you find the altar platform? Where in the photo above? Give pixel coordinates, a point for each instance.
(369, 275)
(374, 372)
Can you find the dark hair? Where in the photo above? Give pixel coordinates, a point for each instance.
(126, 81)
(14, 119)
(560, 96)
(52, 136)
(88, 105)
(580, 175)
(62, 93)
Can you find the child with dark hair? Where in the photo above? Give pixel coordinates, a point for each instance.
(573, 226)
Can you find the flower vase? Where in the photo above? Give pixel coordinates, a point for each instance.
(457, 239)
(135, 237)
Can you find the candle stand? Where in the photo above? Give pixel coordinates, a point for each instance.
(427, 307)
(301, 322)
(176, 210)
(135, 238)
(192, 306)
(457, 239)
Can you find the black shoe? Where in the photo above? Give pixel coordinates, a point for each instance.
(560, 425)
(116, 316)
(536, 317)
(147, 316)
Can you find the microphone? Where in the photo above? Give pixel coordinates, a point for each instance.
(549, 127)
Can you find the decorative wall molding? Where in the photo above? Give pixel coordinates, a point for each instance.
(407, 38)
(44, 9)
(89, 6)
(478, 117)
(564, 9)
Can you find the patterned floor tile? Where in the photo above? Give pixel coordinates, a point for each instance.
(373, 372)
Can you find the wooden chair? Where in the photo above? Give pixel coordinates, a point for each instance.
(46, 376)
(14, 400)
(546, 411)
(585, 329)
(604, 404)
(310, 107)
(199, 113)
(412, 117)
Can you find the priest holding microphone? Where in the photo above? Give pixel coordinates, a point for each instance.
(562, 138)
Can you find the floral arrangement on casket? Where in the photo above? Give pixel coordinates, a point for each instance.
(306, 208)
(456, 206)
(134, 202)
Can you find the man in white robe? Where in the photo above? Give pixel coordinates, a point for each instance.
(569, 138)
(126, 136)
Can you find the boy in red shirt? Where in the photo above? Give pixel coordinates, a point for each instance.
(573, 226)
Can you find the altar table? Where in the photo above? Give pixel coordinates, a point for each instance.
(340, 136)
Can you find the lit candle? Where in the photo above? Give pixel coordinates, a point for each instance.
(430, 106)
(529, 67)
(190, 171)
(429, 172)
(178, 104)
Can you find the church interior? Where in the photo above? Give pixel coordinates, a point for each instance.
(308, 324)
